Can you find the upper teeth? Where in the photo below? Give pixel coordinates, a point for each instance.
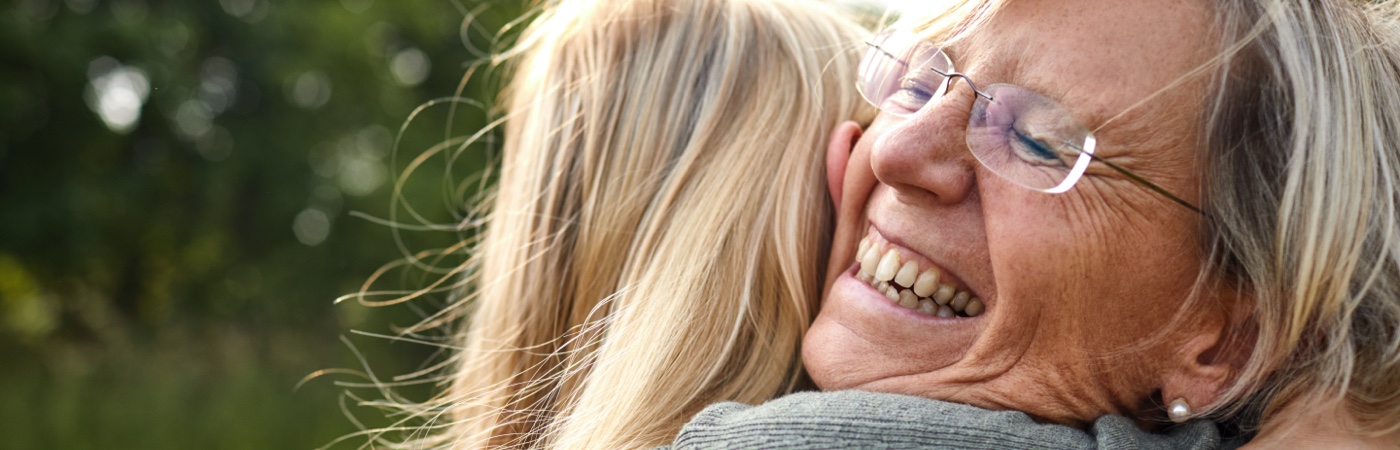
(903, 283)
(907, 274)
(888, 265)
(869, 260)
(927, 283)
(943, 294)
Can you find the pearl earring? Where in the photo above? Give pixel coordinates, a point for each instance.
(1178, 410)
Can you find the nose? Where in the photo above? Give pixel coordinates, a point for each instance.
(924, 157)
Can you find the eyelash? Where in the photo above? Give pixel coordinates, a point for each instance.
(1035, 146)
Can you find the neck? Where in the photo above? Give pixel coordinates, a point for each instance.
(1318, 426)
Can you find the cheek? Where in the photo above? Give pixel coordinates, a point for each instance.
(1033, 258)
(857, 184)
(1031, 242)
(1094, 276)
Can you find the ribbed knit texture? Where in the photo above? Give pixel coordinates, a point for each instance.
(853, 419)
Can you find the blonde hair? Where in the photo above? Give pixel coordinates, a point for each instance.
(660, 228)
(1301, 152)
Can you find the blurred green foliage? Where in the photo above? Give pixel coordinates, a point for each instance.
(176, 182)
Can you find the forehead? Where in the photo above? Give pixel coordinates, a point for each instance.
(1097, 57)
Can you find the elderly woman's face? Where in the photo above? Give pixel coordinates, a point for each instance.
(1072, 286)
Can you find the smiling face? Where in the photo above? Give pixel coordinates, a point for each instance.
(1070, 289)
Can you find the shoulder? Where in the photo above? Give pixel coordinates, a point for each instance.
(873, 420)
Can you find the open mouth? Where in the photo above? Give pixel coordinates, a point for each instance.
(913, 284)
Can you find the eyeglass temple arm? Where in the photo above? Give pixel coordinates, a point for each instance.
(887, 53)
(1144, 182)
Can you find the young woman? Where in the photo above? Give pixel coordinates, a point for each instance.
(655, 240)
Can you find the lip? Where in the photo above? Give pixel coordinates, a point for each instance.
(860, 307)
(869, 295)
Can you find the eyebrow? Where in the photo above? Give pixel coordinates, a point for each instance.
(1014, 65)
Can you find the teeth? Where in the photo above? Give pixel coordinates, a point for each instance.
(888, 265)
(943, 294)
(908, 300)
(911, 289)
(974, 307)
(927, 308)
(869, 260)
(960, 301)
(927, 283)
(907, 274)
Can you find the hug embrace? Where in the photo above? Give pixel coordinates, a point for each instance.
(1019, 223)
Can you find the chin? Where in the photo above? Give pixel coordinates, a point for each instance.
(862, 340)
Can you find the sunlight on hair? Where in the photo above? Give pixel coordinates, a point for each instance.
(539, 315)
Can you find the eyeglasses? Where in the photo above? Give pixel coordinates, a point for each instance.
(1016, 133)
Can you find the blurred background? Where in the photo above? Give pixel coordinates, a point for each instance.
(186, 188)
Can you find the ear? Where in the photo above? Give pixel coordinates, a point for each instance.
(1215, 349)
(838, 153)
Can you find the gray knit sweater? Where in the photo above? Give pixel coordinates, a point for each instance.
(852, 419)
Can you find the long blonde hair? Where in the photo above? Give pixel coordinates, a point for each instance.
(1301, 153)
(658, 235)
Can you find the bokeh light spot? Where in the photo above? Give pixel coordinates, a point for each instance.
(310, 90)
(250, 11)
(81, 6)
(193, 119)
(357, 6)
(24, 307)
(173, 39)
(374, 141)
(116, 93)
(410, 66)
(218, 83)
(311, 226)
(359, 176)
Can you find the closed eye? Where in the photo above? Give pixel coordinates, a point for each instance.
(913, 94)
(1035, 147)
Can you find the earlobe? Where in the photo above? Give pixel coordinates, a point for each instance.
(1198, 380)
(1208, 362)
(838, 153)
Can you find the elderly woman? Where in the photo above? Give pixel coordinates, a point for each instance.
(1158, 210)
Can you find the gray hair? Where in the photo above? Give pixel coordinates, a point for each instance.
(1302, 160)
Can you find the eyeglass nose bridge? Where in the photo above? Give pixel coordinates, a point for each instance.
(954, 75)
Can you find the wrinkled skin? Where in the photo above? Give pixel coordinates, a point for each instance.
(1076, 284)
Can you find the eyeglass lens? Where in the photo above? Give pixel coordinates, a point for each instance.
(1021, 136)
